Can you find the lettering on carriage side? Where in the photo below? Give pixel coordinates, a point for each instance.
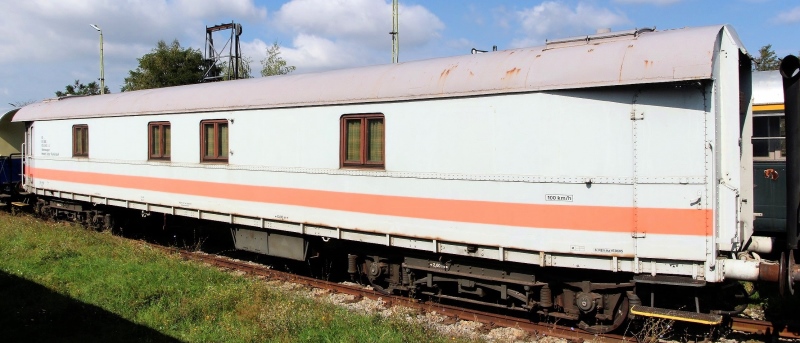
(558, 197)
(44, 148)
(608, 250)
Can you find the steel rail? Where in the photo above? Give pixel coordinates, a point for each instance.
(766, 328)
(490, 320)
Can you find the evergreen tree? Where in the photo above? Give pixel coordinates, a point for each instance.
(766, 60)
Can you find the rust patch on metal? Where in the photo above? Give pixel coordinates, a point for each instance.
(648, 63)
(444, 73)
(513, 71)
(769, 272)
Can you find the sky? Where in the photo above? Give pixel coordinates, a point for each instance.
(48, 44)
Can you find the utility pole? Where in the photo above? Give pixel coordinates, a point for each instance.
(102, 71)
(395, 33)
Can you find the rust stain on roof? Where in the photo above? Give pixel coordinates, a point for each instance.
(513, 71)
(443, 77)
(444, 73)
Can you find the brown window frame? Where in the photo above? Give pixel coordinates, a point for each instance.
(216, 157)
(84, 150)
(162, 140)
(363, 162)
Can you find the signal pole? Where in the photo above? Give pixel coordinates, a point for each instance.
(395, 33)
(102, 72)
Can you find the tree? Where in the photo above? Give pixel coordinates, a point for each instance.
(165, 66)
(78, 88)
(766, 60)
(274, 64)
(244, 69)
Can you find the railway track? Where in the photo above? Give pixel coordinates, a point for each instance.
(765, 328)
(490, 320)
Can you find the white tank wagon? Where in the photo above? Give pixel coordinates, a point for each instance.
(562, 179)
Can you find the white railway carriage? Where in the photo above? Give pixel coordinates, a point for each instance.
(626, 153)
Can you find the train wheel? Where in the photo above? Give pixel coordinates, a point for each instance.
(598, 326)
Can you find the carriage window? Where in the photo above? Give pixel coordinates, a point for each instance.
(362, 141)
(159, 140)
(80, 141)
(214, 136)
(769, 137)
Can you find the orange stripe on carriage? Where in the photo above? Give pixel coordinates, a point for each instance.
(671, 221)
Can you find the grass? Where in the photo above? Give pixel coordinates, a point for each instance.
(59, 282)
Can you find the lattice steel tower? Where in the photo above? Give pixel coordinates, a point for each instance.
(232, 60)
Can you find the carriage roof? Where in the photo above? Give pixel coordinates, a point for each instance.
(611, 59)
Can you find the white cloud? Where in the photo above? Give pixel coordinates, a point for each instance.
(45, 30)
(314, 53)
(212, 8)
(461, 44)
(648, 2)
(789, 17)
(48, 44)
(358, 19)
(551, 19)
(340, 33)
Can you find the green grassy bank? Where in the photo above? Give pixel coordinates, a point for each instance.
(61, 283)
